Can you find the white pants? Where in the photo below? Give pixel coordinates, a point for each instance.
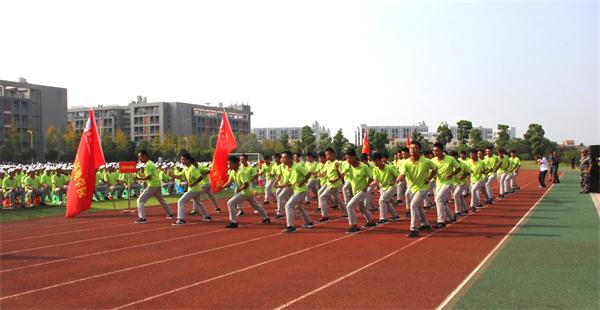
(347, 192)
(327, 194)
(488, 186)
(237, 199)
(460, 204)
(386, 203)
(205, 189)
(269, 190)
(418, 216)
(312, 186)
(358, 200)
(441, 195)
(502, 182)
(197, 204)
(296, 202)
(369, 199)
(476, 189)
(282, 199)
(401, 191)
(155, 192)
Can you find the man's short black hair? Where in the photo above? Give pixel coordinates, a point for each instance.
(463, 152)
(404, 149)
(364, 156)
(427, 153)
(416, 143)
(288, 153)
(376, 156)
(321, 154)
(351, 152)
(473, 151)
(439, 145)
(276, 155)
(244, 156)
(310, 154)
(330, 150)
(489, 147)
(454, 153)
(143, 152)
(513, 151)
(233, 159)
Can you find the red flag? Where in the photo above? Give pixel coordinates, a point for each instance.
(225, 144)
(366, 149)
(407, 141)
(83, 178)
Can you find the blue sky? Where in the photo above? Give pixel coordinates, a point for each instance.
(342, 63)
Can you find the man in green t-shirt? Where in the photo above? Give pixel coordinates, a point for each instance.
(360, 177)
(504, 164)
(460, 182)
(384, 176)
(515, 166)
(284, 191)
(479, 169)
(493, 163)
(313, 185)
(401, 156)
(243, 192)
(296, 179)
(418, 171)
(266, 170)
(153, 189)
(59, 188)
(12, 189)
(334, 183)
(447, 168)
(32, 183)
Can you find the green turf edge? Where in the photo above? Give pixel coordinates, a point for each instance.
(54, 210)
(550, 261)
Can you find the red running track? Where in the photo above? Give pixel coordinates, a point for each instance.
(105, 261)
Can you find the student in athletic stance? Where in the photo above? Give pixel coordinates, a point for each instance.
(193, 176)
(503, 166)
(515, 166)
(360, 176)
(313, 185)
(266, 169)
(493, 163)
(447, 168)
(296, 178)
(334, 183)
(243, 192)
(460, 182)
(385, 176)
(478, 169)
(154, 188)
(418, 172)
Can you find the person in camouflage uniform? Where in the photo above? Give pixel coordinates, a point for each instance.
(585, 169)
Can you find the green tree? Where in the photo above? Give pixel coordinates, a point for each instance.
(444, 134)
(417, 136)
(338, 143)
(145, 144)
(536, 140)
(324, 141)
(71, 142)
(53, 143)
(463, 130)
(168, 147)
(284, 143)
(503, 136)
(378, 141)
(475, 137)
(10, 149)
(108, 145)
(122, 147)
(520, 146)
(308, 141)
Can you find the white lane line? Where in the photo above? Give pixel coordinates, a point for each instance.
(445, 302)
(146, 265)
(291, 302)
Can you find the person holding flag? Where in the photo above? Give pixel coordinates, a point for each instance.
(154, 188)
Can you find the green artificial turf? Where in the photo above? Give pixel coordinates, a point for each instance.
(551, 262)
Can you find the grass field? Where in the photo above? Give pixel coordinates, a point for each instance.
(551, 261)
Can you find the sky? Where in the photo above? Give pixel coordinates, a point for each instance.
(341, 63)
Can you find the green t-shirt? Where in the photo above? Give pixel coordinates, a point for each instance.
(321, 170)
(504, 164)
(514, 164)
(460, 178)
(417, 172)
(46, 179)
(58, 181)
(445, 167)
(204, 170)
(126, 178)
(163, 176)
(492, 162)
(311, 167)
(9, 183)
(240, 177)
(151, 171)
(267, 170)
(296, 175)
(111, 177)
(477, 170)
(386, 176)
(359, 177)
(191, 174)
(331, 172)
(19, 177)
(32, 182)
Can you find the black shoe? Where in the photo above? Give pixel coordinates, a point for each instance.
(352, 230)
(240, 213)
(179, 223)
(334, 207)
(266, 202)
(395, 218)
(458, 214)
(407, 214)
(289, 229)
(398, 201)
(218, 210)
(324, 219)
(453, 220)
(278, 216)
(345, 215)
(207, 219)
(266, 221)
(308, 225)
(425, 227)
(439, 225)
(194, 212)
(489, 202)
(317, 210)
(231, 225)
(370, 224)
(140, 221)
(382, 221)
(413, 234)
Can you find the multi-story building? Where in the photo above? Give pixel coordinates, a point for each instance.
(143, 120)
(396, 134)
(31, 109)
(293, 133)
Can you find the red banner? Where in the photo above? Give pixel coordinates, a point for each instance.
(366, 149)
(127, 166)
(83, 178)
(225, 144)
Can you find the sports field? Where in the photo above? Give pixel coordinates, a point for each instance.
(534, 249)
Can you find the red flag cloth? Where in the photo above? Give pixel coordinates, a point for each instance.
(366, 149)
(407, 141)
(83, 178)
(225, 144)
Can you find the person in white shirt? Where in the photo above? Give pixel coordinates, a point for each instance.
(543, 162)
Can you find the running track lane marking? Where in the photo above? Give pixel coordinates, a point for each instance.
(485, 260)
(153, 263)
(373, 263)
